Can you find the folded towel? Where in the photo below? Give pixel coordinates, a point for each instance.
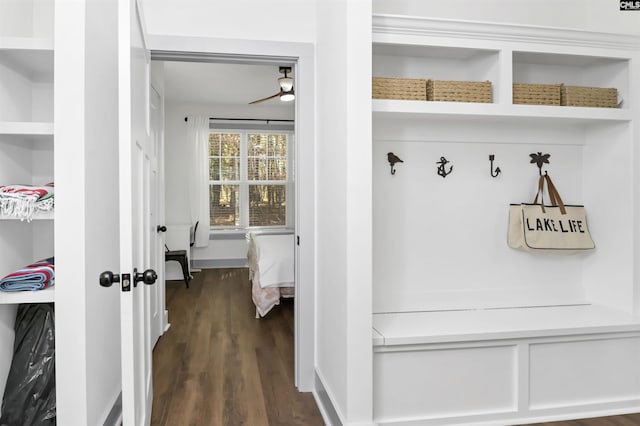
(22, 201)
(37, 276)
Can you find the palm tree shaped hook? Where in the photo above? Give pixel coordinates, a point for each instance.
(540, 160)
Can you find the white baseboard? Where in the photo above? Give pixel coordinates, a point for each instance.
(114, 418)
(324, 403)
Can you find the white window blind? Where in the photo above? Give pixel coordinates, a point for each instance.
(249, 179)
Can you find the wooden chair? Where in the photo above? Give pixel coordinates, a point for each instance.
(180, 256)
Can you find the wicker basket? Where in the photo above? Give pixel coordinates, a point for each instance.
(589, 96)
(536, 94)
(414, 89)
(459, 91)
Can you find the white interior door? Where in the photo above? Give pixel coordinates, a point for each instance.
(157, 217)
(136, 226)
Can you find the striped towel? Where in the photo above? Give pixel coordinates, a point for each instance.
(36, 276)
(22, 201)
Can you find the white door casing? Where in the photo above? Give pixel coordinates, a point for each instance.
(135, 160)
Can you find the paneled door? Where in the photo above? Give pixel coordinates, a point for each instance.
(137, 156)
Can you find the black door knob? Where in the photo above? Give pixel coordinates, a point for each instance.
(148, 277)
(161, 228)
(107, 278)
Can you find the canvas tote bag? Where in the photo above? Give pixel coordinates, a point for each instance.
(555, 229)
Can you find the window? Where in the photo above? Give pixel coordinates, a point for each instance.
(249, 179)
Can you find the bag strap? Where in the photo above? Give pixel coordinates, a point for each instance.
(540, 193)
(554, 195)
(556, 200)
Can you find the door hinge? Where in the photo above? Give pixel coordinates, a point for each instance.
(298, 239)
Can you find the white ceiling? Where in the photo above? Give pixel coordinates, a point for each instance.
(229, 84)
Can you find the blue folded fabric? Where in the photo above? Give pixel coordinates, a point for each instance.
(37, 276)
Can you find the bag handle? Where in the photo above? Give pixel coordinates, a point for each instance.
(554, 195)
(556, 200)
(540, 192)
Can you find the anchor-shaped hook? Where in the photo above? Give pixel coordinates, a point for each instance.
(441, 171)
(497, 171)
(539, 159)
(393, 159)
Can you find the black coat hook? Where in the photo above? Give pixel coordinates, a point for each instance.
(441, 171)
(393, 159)
(497, 171)
(540, 160)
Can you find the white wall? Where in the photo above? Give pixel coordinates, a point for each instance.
(256, 35)
(589, 15)
(86, 225)
(340, 29)
(177, 167)
(343, 162)
(274, 20)
(101, 153)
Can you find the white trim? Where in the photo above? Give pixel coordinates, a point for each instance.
(326, 402)
(114, 416)
(328, 412)
(244, 182)
(411, 25)
(211, 49)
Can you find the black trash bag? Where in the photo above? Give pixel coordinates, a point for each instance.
(30, 395)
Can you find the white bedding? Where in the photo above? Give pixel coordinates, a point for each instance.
(271, 269)
(271, 259)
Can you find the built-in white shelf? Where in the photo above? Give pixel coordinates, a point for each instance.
(26, 128)
(398, 109)
(26, 44)
(413, 328)
(32, 56)
(36, 216)
(38, 296)
(378, 339)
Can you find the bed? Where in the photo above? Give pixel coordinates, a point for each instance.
(271, 271)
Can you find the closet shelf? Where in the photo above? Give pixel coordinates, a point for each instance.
(26, 128)
(26, 43)
(38, 296)
(32, 56)
(395, 109)
(36, 216)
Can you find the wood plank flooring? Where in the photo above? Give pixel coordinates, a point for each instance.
(219, 365)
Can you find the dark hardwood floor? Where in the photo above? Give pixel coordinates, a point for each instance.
(219, 365)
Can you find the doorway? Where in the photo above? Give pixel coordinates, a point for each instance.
(303, 222)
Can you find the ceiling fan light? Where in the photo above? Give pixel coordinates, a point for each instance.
(287, 96)
(286, 83)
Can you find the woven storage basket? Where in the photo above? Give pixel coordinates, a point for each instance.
(459, 91)
(536, 94)
(589, 96)
(414, 89)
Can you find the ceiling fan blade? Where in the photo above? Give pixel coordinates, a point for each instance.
(265, 99)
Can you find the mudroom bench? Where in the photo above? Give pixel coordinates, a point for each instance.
(505, 366)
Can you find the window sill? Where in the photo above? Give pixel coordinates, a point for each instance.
(241, 234)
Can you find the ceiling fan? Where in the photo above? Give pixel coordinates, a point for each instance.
(286, 93)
